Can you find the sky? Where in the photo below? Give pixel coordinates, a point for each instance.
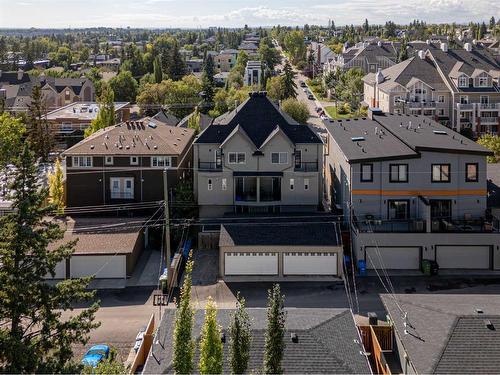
(236, 13)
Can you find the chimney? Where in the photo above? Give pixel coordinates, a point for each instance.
(421, 54)
(20, 74)
(379, 77)
(444, 47)
(468, 47)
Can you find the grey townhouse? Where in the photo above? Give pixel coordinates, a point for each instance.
(256, 159)
(411, 189)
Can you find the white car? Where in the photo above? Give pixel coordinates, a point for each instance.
(324, 117)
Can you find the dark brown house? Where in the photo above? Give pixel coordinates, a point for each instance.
(124, 163)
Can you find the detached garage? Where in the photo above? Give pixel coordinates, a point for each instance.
(393, 258)
(107, 248)
(277, 251)
(463, 256)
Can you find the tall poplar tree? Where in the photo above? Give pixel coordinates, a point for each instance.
(56, 188)
(240, 338)
(157, 72)
(106, 115)
(184, 318)
(34, 337)
(38, 128)
(275, 331)
(211, 360)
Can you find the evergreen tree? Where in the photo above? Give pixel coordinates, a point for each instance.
(56, 188)
(34, 338)
(158, 74)
(184, 318)
(492, 23)
(176, 67)
(40, 135)
(211, 360)
(289, 85)
(403, 51)
(240, 338)
(208, 83)
(275, 331)
(106, 115)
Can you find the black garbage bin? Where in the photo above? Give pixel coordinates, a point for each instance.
(434, 267)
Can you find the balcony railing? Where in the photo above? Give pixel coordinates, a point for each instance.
(417, 105)
(209, 166)
(122, 195)
(489, 120)
(489, 106)
(465, 107)
(472, 225)
(372, 225)
(307, 167)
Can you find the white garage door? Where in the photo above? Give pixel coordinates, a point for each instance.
(310, 264)
(104, 266)
(250, 263)
(471, 257)
(395, 258)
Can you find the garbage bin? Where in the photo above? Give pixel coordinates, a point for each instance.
(434, 266)
(426, 267)
(362, 267)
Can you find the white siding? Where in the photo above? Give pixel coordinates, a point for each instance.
(310, 264)
(398, 258)
(251, 263)
(465, 257)
(106, 266)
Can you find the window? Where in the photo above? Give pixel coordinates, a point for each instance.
(398, 173)
(298, 158)
(306, 184)
(82, 161)
(134, 160)
(236, 158)
(218, 158)
(463, 81)
(441, 173)
(464, 99)
(108, 160)
(122, 187)
(279, 158)
(292, 184)
(471, 172)
(224, 184)
(440, 98)
(441, 112)
(398, 209)
(161, 161)
(485, 99)
(482, 81)
(366, 172)
(209, 185)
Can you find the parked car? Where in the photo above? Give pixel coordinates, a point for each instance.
(95, 355)
(323, 117)
(302, 84)
(310, 96)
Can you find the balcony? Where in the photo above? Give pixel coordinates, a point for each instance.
(469, 225)
(465, 107)
(209, 166)
(488, 120)
(489, 106)
(121, 195)
(372, 225)
(306, 167)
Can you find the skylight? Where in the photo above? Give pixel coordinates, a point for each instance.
(441, 132)
(356, 139)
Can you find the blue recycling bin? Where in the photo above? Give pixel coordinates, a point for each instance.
(362, 267)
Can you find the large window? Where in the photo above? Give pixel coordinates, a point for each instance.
(236, 158)
(122, 187)
(441, 173)
(398, 173)
(482, 81)
(82, 161)
(161, 161)
(463, 81)
(471, 172)
(398, 209)
(279, 157)
(366, 172)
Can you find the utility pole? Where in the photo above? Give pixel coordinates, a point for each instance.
(167, 225)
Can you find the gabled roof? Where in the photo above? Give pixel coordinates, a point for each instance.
(327, 342)
(258, 117)
(166, 118)
(144, 137)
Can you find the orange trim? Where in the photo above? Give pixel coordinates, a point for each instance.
(440, 193)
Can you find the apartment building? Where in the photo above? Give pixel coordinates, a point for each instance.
(257, 159)
(411, 189)
(457, 87)
(68, 123)
(124, 163)
(225, 60)
(253, 73)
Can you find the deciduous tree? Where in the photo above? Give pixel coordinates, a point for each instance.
(296, 110)
(124, 87)
(491, 142)
(12, 131)
(56, 188)
(275, 331)
(211, 360)
(240, 338)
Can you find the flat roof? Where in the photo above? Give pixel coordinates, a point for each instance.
(365, 139)
(80, 110)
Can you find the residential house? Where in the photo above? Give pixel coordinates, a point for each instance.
(250, 48)
(225, 60)
(459, 87)
(220, 79)
(253, 73)
(194, 65)
(124, 163)
(112, 65)
(319, 341)
(57, 92)
(257, 159)
(445, 333)
(411, 189)
(68, 123)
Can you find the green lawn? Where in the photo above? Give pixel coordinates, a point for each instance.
(332, 112)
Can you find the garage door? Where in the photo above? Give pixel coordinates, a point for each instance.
(471, 257)
(250, 263)
(310, 264)
(395, 258)
(104, 266)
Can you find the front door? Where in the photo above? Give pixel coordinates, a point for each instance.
(115, 188)
(440, 209)
(128, 188)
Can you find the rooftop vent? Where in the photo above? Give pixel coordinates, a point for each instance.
(357, 139)
(468, 47)
(294, 337)
(479, 311)
(152, 125)
(440, 132)
(488, 324)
